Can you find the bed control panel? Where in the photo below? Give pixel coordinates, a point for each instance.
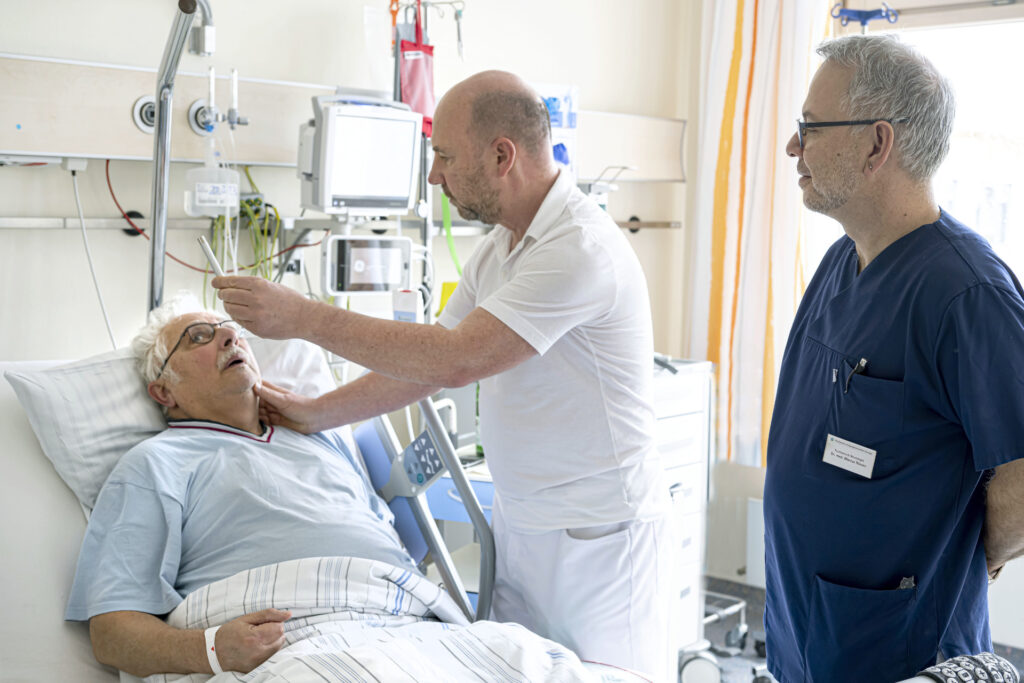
(407, 472)
(421, 461)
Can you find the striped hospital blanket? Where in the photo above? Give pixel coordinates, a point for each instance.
(361, 620)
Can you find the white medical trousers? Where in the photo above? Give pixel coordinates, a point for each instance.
(612, 599)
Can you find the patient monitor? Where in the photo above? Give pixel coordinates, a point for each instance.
(360, 156)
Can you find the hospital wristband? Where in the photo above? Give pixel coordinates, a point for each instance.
(211, 649)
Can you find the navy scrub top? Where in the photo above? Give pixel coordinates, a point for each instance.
(940, 320)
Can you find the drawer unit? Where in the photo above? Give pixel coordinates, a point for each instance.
(682, 435)
(691, 604)
(687, 486)
(681, 393)
(691, 538)
(681, 439)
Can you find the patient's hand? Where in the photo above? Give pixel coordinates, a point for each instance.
(248, 641)
(143, 644)
(286, 408)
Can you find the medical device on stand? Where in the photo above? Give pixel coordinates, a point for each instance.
(359, 157)
(365, 264)
(359, 160)
(363, 156)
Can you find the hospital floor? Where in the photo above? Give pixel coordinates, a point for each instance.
(738, 668)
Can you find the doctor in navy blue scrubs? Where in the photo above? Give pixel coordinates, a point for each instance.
(895, 486)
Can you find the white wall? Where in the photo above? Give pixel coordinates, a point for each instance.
(732, 485)
(1006, 603)
(625, 57)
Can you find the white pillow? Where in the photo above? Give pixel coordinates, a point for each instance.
(88, 414)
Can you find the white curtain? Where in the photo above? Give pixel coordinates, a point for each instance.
(757, 62)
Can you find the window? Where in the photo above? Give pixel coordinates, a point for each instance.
(981, 183)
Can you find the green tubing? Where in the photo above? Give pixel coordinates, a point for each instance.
(446, 220)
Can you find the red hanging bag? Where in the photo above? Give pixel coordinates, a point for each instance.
(417, 74)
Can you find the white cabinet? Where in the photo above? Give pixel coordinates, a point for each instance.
(682, 434)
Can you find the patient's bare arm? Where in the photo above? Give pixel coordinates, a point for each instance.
(142, 644)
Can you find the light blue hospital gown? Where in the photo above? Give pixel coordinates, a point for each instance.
(202, 501)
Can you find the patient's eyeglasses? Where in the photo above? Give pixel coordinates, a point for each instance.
(199, 334)
(802, 126)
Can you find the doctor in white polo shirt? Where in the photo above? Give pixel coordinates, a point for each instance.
(552, 317)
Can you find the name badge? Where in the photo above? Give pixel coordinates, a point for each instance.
(849, 456)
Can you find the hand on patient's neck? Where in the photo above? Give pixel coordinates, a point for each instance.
(240, 411)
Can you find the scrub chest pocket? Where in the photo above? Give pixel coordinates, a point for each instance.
(865, 410)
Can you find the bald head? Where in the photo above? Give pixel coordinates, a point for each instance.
(500, 104)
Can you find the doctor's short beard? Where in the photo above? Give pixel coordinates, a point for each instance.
(479, 201)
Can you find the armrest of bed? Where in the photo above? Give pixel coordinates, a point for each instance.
(40, 535)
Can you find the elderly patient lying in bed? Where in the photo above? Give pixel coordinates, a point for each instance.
(216, 493)
(192, 510)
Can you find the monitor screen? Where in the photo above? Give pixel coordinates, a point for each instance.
(372, 160)
(365, 264)
(376, 265)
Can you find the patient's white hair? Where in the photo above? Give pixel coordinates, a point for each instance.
(149, 347)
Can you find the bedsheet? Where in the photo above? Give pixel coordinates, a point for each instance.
(361, 620)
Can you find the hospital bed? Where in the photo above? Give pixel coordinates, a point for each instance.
(44, 523)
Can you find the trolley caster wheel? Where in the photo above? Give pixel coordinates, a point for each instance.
(702, 667)
(737, 637)
(761, 674)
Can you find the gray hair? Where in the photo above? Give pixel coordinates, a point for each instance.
(891, 81)
(148, 346)
(520, 116)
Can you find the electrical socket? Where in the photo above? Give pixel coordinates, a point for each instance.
(296, 263)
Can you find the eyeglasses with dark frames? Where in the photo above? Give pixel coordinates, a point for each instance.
(199, 334)
(802, 126)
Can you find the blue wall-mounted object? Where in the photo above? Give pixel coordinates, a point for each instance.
(864, 16)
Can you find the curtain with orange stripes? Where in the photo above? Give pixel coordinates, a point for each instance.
(756, 65)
